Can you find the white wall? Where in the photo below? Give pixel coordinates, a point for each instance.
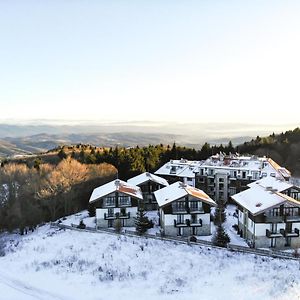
(260, 229)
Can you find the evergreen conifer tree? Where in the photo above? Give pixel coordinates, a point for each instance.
(62, 154)
(220, 238)
(142, 222)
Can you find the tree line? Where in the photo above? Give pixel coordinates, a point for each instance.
(45, 192)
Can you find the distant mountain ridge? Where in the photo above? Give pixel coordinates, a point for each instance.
(27, 139)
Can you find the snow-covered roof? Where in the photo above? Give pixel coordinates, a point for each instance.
(114, 186)
(179, 168)
(256, 199)
(260, 197)
(179, 190)
(272, 183)
(145, 177)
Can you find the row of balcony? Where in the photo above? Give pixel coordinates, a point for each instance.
(187, 210)
(282, 233)
(188, 223)
(282, 219)
(116, 215)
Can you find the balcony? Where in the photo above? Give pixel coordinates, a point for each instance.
(179, 210)
(292, 218)
(294, 233)
(109, 216)
(180, 224)
(271, 234)
(196, 224)
(124, 203)
(123, 216)
(117, 215)
(274, 219)
(188, 223)
(196, 210)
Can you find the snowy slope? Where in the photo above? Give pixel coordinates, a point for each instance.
(58, 264)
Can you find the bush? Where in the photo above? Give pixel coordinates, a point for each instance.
(81, 225)
(193, 239)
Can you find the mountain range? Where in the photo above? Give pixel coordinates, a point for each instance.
(21, 139)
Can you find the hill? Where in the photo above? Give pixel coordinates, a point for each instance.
(112, 267)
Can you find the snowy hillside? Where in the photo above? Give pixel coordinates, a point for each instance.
(57, 264)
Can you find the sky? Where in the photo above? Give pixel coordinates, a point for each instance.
(175, 61)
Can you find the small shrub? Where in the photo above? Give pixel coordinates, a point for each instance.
(81, 225)
(193, 239)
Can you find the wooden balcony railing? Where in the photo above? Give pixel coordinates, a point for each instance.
(294, 233)
(271, 234)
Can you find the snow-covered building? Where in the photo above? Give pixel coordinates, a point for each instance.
(184, 210)
(222, 176)
(116, 200)
(269, 213)
(148, 183)
(182, 170)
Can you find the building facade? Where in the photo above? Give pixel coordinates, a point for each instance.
(116, 200)
(148, 183)
(269, 214)
(184, 210)
(222, 176)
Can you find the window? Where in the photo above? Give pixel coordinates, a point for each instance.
(179, 206)
(109, 201)
(221, 179)
(194, 205)
(124, 200)
(180, 219)
(233, 174)
(211, 181)
(200, 179)
(110, 212)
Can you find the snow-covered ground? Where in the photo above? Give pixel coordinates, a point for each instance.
(153, 215)
(65, 264)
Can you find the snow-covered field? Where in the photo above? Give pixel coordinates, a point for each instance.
(57, 264)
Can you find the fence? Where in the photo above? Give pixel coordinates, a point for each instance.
(181, 240)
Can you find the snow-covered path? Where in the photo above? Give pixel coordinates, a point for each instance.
(15, 289)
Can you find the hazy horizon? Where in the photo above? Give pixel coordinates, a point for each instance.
(162, 61)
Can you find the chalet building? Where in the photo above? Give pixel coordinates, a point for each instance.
(148, 183)
(269, 213)
(222, 176)
(116, 200)
(182, 170)
(184, 210)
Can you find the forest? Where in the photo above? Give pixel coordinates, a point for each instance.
(50, 185)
